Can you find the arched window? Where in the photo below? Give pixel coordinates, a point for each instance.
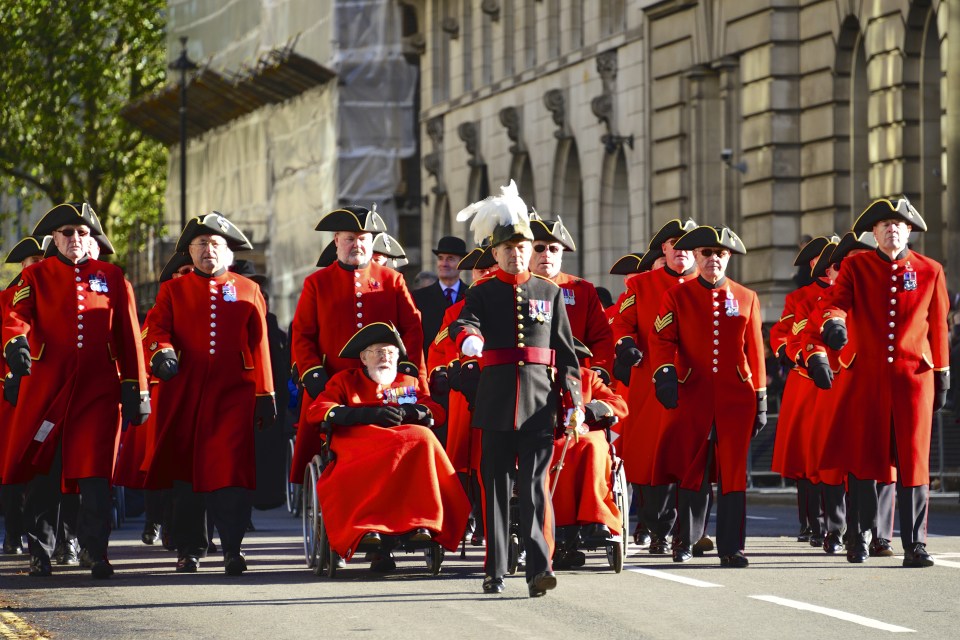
(568, 197)
(852, 95)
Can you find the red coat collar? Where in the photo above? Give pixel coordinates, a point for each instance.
(509, 278)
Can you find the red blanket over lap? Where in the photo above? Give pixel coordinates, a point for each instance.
(390, 481)
(584, 494)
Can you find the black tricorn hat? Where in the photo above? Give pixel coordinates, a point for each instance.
(26, 248)
(826, 259)
(813, 250)
(649, 258)
(174, 264)
(387, 245)
(883, 209)
(213, 224)
(707, 236)
(582, 350)
(673, 229)
(852, 241)
(486, 259)
(469, 261)
(451, 244)
(373, 333)
(328, 256)
(627, 264)
(245, 268)
(353, 218)
(551, 231)
(73, 213)
(106, 247)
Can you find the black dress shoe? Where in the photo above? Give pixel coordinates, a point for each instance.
(832, 544)
(188, 564)
(804, 535)
(917, 556)
(735, 561)
(420, 535)
(477, 540)
(12, 547)
(150, 534)
(371, 537)
(858, 550)
(598, 531)
(101, 569)
(40, 567)
(642, 537)
(701, 546)
(541, 583)
(234, 564)
(383, 563)
(70, 554)
(659, 546)
(492, 585)
(880, 548)
(682, 554)
(816, 540)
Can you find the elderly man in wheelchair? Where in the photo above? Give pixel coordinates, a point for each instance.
(386, 482)
(589, 489)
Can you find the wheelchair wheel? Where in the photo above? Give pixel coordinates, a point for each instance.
(333, 558)
(615, 555)
(118, 507)
(434, 557)
(323, 550)
(513, 554)
(310, 514)
(294, 490)
(617, 549)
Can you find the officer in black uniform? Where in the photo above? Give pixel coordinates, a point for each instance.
(517, 321)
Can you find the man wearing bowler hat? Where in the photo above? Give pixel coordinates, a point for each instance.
(433, 301)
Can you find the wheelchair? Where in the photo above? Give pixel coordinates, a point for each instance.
(294, 490)
(572, 540)
(319, 556)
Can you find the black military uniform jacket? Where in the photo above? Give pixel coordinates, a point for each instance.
(530, 370)
(432, 304)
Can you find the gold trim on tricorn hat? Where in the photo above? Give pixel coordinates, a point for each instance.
(884, 209)
(707, 236)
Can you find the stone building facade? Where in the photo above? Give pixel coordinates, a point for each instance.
(776, 117)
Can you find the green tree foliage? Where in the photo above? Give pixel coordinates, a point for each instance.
(69, 67)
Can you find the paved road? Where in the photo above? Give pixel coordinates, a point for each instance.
(777, 597)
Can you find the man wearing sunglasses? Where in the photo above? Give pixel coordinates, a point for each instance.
(72, 333)
(708, 370)
(897, 301)
(207, 343)
(631, 326)
(588, 321)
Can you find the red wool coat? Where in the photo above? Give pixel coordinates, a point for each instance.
(713, 338)
(584, 493)
(796, 418)
(81, 323)
(637, 311)
(336, 303)
(588, 321)
(204, 414)
(388, 480)
(899, 308)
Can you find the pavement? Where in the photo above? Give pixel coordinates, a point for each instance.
(790, 590)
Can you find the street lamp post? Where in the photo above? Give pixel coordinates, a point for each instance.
(183, 64)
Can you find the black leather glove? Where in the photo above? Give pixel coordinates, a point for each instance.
(314, 382)
(265, 412)
(134, 405)
(416, 414)
(785, 361)
(834, 334)
(409, 369)
(594, 411)
(11, 389)
(761, 420)
(820, 372)
(439, 382)
(165, 365)
(470, 381)
(603, 375)
(667, 387)
(17, 353)
(386, 416)
(628, 356)
(941, 384)
(453, 375)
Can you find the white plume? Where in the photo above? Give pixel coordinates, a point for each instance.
(506, 209)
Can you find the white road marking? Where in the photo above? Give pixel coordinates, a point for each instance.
(835, 613)
(939, 561)
(760, 518)
(663, 575)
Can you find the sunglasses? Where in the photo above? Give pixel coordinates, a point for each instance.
(540, 248)
(69, 232)
(720, 253)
